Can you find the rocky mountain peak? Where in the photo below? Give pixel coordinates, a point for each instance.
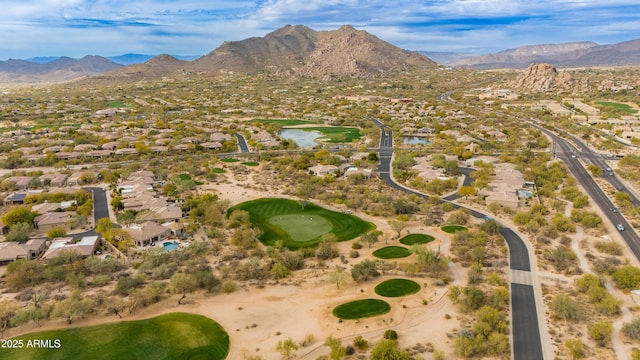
(543, 78)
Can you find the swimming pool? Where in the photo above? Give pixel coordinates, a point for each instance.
(169, 245)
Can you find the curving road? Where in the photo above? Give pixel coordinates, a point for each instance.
(525, 328)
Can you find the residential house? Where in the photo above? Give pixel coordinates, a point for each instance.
(147, 233)
(323, 170)
(54, 180)
(15, 199)
(19, 182)
(11, 250)
(85, 247)
(51, 220)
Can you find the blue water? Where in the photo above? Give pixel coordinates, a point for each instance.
(304, 139)
(415, 140)
(169, 246)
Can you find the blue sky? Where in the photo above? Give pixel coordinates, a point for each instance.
(30, 28)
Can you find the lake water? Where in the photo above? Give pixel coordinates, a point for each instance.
(304, 139)
(415, 140)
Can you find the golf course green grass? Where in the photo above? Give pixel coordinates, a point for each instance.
(392, 252)
(361, 309)
(250, 163)
(229, 160)
(219, 170)
(170, 336)
(397, 288)
(416, 239)
(336, 134)
(298, 227)
(452, 229)
(618, 106)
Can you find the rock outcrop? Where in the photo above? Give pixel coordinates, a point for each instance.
(543, 78)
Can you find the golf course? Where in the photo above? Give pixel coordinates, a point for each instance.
(397, 288)
(170, 336)
(300, 224)
(361, 309)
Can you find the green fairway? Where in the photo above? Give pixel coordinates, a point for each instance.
(302, 227)
(361, 309)
(229, 160)
(618, 106)
(286, 220)
(250, 163)
(219, 170)
(392, 252)
(170, 336)
(117, 104)
(336, 134)
(416, 239)
(283, 122)
(397, 287)
(451, 229)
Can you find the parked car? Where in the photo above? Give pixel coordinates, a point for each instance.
(620, 227)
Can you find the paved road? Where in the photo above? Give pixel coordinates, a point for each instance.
(564, 152)
(242, 143)
(100, 209)
(525, 328)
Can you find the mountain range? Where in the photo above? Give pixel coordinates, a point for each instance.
(566, 55)
(300, 51)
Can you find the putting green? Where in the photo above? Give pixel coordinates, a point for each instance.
(300, 224)
(392, 252)
(452, 229)
(361, 308)
(416, 239)
(397, 287)
(302, 227)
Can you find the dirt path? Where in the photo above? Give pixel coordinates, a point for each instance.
(616, 340)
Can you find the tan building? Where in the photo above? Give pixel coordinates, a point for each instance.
(147, 233)
(85, 247)
(11, 251)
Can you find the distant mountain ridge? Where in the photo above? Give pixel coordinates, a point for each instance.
(566, 55)
(61, 69)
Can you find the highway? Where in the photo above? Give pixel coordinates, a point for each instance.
(564, 152)
(525, 327)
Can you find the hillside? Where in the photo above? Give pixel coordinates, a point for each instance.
(299, 50)
(577, 54)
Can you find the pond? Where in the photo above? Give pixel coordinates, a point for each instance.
(304, 139)
(415, 140)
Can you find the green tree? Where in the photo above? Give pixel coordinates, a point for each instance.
(364, 270)
(286, 348)
(73, 307)
(467, 191)
(627, 277)
(371, 237)
(386, 349)
(184, 284)
(337, 350)
(56, 232)
(19, 232)
(564, 308)
(337, 277)
(601, 332)
(575, 348)
(19, 214)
